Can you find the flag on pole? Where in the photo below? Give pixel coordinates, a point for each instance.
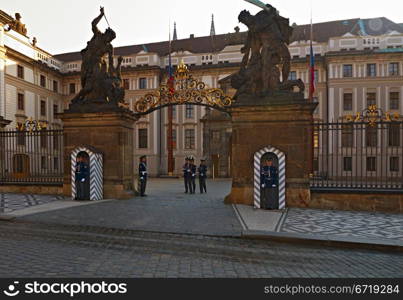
(171, 78)
(311, 67)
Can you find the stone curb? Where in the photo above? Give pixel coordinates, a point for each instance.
(325, 240)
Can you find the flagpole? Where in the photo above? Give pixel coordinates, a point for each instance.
(170, 112)
(311, 92)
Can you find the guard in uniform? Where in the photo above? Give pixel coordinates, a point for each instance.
(82, 179)
(143, 175)
(269, 182)
(193, 171)
(202, 176)
(187, 175)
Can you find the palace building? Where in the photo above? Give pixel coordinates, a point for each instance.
(359, 62)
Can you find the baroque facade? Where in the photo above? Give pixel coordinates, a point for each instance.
(358, 62)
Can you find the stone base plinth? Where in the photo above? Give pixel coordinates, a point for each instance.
(112, 134)
(280, 122)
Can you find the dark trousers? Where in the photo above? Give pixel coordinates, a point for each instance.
(188, 185)
(202, 184)
(193, 184)
(270, 198)
(83, 190)
(143, 185)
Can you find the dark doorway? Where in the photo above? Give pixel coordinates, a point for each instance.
(83, 176)
(269, 196)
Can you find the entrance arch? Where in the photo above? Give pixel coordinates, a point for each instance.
(96, 171)
(281, 175)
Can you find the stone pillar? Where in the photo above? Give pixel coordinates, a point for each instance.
(283, 122)
(110, 132)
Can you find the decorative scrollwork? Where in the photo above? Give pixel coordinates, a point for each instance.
(186, 90)
(373, 115)
(31, 125)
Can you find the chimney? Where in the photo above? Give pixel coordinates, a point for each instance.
(192, 36)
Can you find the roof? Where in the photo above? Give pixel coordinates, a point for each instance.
(207, 44)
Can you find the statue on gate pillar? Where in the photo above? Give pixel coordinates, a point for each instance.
(100, 80)
(266, 48)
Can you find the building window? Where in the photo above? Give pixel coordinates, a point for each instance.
(44, 139)
(292, 76)
(316, 138)
(316, 100)
(143, 138)
(43, 108)
(316, 165)
(72, 88)
(371, 70)
(348, 102)
(394, 69)
(20, 71)
(316, 73)
(394, 135)
(216, 136)
(371, 136)
(348, 164)
(347, 70)
(143, 83)
(173, 139)
(55, 110)
(189, 139)
(347, 136)
(394, 99)
(55, 86)
(43, 81)
(394, 164)
(20, 101)
(174, 112)
(56, 142)
(189, 111)
(126, 84)
(44, 163)
(371, 99)
(371, 164)
(55, 163)
(21, 138)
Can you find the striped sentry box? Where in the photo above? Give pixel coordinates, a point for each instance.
(96, 173)
(281, 175)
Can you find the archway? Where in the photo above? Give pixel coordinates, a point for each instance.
(281, 164)
(95, 161)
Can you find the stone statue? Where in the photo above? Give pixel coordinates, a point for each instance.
(266, 48)
(18, 25)
(100, 80)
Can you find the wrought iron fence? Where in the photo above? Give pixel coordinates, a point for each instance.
(358, 156)
(31, 157)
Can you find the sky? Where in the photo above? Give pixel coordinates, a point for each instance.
(62, 26)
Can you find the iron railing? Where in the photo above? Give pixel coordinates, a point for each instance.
(358, 156)
(31, 157)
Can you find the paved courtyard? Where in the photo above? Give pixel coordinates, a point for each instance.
(13, 202)
(166, 209)
(34, 250)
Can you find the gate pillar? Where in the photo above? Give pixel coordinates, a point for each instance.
(111, 132)
(285, 123)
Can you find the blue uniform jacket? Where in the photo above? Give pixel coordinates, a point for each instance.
(187, 170)
(82, 170)
(142, 170)
(202, 171)
(269, 176)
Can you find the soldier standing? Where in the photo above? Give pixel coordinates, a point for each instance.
(193, 170)
(202, 176)
(143, 175)
(187, 175)
(269, 182)
(82, 174)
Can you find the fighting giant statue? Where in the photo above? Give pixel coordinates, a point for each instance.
(100, 80)
(265, 53)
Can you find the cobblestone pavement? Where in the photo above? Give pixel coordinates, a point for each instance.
(344, 224)
(38, 250)
(13, 202)
(166, 209)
